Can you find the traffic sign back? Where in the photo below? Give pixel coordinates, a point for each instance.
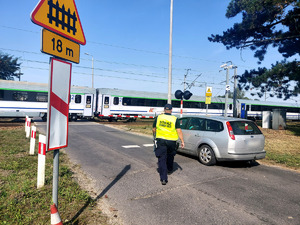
(61, 17)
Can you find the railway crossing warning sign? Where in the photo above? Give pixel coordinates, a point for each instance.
(208, 95)
(58, 104)
(61, 17)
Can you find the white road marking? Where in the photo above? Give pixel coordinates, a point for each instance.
(148, 145)
(130, 146)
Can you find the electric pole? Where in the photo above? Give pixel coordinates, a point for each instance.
(170, 55)
(235, 93)
(226, 67)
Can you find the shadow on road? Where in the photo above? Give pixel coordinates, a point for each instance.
(239, 164)
(91, 200)
(229, 164)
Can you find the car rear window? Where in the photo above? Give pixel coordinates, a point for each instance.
(244, 128)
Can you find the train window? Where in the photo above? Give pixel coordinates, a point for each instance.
(1, 94)
(20, 96)
(230, 106)
(153, 102)
(126, 101)
(161, 103)
(141, 102)
(247, 107)
(256, 107)
(41, 97)
(216, 106)
(88, 99)
(106, 100)
(116, 100)
(176, 104)
(77, 99)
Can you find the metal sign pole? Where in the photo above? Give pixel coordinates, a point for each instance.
(55, 177)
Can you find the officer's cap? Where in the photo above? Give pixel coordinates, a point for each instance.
(168, 107)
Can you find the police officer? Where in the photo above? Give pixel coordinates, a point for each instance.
(166, 130)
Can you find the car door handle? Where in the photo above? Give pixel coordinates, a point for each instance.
(197, 135)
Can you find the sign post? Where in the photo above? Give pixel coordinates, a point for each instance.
(208, 95)
(61, 37)
(58, 114)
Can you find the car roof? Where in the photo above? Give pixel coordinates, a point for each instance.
(219, 118)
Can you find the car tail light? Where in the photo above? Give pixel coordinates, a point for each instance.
(230, 131)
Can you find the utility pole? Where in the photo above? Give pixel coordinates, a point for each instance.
(170, 55)
(20, 74)
(92, 68)
(226, 67)
(235, 93)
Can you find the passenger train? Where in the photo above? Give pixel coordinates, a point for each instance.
(18, 99)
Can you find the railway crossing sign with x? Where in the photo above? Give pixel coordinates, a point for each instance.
(61, 17)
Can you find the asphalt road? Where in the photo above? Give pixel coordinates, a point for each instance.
(124, 168)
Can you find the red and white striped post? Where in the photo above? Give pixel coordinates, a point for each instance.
(26, 123)
(41, 161)
(28, 127)
(32, 140)
(181, 107)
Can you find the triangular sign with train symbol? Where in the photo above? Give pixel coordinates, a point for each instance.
(61, 17)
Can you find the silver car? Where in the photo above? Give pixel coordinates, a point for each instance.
(215, 139)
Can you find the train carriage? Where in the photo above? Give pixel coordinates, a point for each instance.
(19, 98)
(117, 103)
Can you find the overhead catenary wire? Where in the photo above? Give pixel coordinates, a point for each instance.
(108, 62)
(135, 73)
(129, 48)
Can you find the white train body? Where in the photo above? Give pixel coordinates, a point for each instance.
(116, 103)
(18, 99)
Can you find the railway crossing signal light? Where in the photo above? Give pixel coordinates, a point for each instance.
(178, 94)
(186, 95)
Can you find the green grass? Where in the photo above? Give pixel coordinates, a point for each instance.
(20, 200)
(288, 160)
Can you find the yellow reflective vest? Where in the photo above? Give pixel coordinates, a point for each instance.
(165, 127)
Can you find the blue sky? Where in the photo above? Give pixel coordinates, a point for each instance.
(129, 41)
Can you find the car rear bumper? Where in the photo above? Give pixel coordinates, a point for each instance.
(243, 156)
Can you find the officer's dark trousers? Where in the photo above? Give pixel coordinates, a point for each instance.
(165, 152)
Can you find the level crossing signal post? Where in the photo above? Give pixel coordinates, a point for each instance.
(61, 37)
(182, 95)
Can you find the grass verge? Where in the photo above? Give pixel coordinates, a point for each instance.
(20, 200)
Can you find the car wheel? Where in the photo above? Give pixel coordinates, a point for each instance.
(207, 155)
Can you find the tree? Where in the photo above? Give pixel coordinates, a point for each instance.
(9, 67)
(239, 94)
(266, 23)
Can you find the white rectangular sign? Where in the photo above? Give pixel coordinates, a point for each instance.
(58, 104)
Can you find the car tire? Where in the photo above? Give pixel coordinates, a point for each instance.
(207, 155)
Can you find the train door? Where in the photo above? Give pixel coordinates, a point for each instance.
(106, 101)
(88, 105)
(243, 111)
